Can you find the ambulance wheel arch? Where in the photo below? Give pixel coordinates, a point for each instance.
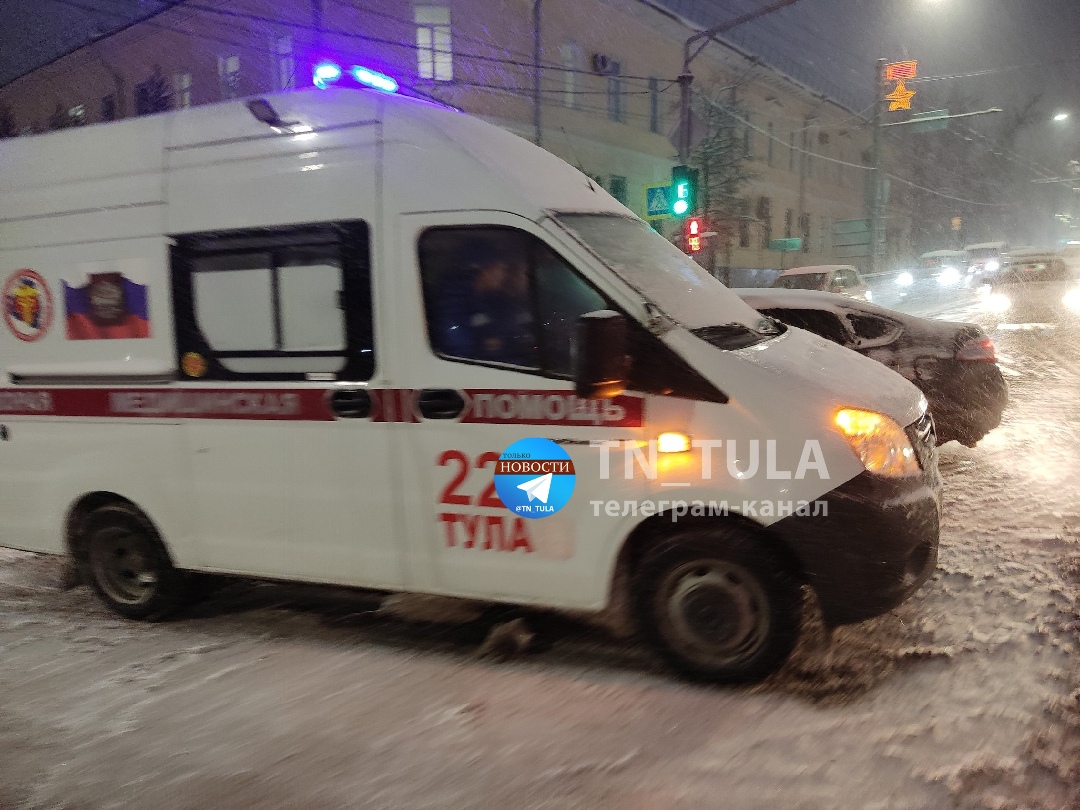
(120, 553)
(717, 602)
(645, 542)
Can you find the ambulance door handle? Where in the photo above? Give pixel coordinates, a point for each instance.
(441, 403)
(351, 403)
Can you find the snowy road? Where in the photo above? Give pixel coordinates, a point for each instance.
(267, 697)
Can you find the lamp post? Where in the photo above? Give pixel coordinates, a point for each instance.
(686, 77)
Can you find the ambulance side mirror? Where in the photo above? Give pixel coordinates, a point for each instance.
(602, 365)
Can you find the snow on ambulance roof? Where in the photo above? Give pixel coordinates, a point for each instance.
(820, 268)
(986, 246)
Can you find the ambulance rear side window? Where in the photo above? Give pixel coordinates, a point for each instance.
(275, 303)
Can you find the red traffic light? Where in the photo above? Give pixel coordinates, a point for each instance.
(694, 229)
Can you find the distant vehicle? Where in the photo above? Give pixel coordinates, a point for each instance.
(1071, 254)
(987, 258)
(947, 268)
(835, 278)
(953, 364)
(935, 273)
(1035, 287)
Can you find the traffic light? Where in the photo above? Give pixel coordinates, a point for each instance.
(683, 190)
(694, 229)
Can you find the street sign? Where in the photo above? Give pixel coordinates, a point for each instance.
(851, 238)
(656, 202)
(932, 121)
(786, 245)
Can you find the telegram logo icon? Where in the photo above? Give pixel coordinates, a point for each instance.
(534, 478)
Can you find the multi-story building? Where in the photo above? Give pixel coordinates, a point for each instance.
(593, 81)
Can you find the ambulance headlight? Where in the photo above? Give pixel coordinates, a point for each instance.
(992, 266)
(880, 443)
(1072, 299)
(905, 279)
(997, 303)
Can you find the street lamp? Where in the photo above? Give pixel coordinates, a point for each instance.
(1061, 116)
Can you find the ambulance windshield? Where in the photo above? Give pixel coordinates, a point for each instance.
(661, 272)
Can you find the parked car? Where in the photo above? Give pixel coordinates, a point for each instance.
(954, 364)
(1037, 286)
(836, 278)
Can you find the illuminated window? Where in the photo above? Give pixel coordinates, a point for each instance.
(229, 74)
(568, 56)
(182, 90)
(286, 63)
(434, 52)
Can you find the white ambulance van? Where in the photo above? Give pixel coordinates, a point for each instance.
(294, 337)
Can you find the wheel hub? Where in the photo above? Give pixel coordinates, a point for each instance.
(717, 610)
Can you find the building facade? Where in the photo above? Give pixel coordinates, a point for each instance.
(604, 96)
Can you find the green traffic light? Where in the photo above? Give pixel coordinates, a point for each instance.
(681, 207)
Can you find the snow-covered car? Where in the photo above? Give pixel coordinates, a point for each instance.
(953, 364)
(1036, 287)
(836, 278)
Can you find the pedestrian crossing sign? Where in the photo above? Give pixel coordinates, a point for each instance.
(656, 201)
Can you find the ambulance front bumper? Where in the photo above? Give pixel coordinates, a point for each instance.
(877, 543)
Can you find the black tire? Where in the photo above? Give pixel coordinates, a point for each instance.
(717, 605)
(123, 558)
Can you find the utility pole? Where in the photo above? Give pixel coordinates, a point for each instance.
(537, 130)
(875, 164)
(686, 77)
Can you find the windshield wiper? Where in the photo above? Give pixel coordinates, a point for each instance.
(739, 335)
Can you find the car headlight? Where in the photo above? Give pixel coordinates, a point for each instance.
(880, 443)
(1072, 299)
(948, 276)
(997, 302)
(992, 266)
(905, 279)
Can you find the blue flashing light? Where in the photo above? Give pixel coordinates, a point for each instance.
(374, 79)
(324, 74)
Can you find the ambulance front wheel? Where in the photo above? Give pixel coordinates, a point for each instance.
(718, 605)
(123, 558)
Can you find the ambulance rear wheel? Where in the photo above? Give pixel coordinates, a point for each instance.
(717, 605)
(124, 560)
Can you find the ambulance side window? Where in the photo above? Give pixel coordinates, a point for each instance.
(500, 296)
(276, 303)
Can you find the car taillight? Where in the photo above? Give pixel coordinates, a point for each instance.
(977, 350)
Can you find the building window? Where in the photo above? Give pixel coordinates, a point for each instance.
(229, 75)
(286, 63)
(615, 105)
(153, 95)
(182, 90)
(108, 108)
(435, 55)
(769, 145)
(764, 216)
(748, 138)
(840, 169)
(617, 187)
(789, 223)
(824, 236)
(654, 104)
(791, 155)
(804, 226)
(568, 58)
